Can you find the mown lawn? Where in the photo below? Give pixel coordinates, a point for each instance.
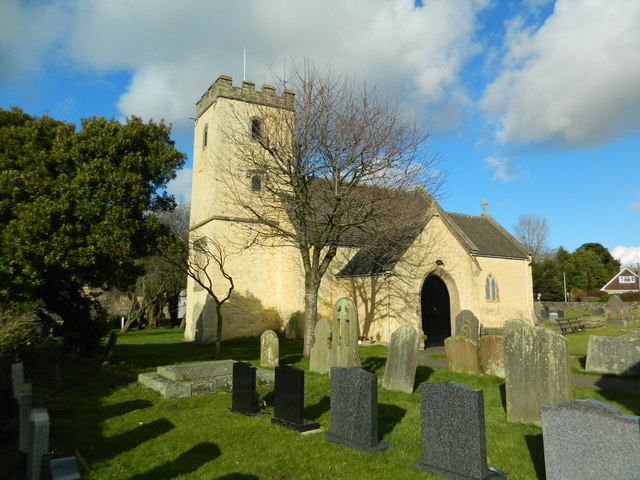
(125, 431)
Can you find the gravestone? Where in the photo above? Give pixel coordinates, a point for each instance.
(320, 351)
(344, 334)
(269, 349)
(615, 305)
(597, 311)
(588, 439)
(111, 345)
(38, 442)
(462, 355)
(512, 325)
(25, 404)
(553, 316)
(467, 325)
(243, 395)
(60, 467)
(400, 370)
(537, 371)
(453, 432)
(560, 313)
(616, 355)
(17, 378)
(354, 410)
(491, 348)
(289, 400)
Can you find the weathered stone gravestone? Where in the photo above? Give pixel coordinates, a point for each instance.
(467, 325)
(400, 370)
(111, 345)
(243, 395)
(513, 325)
(553, 316)
(462, 355)
(17, 378)
(588, 439)
(320, 351)
(453, 432)
(354, 410)
(25, 404)
(537, 371)
(344, 336)
(269, 349)
(289, 400)
(38, 442)
(597, 311)
(491, 349)
(615, 306)
(617, 355)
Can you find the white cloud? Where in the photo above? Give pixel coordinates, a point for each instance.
(503, 169)
(574, 81)
(175, 50)
(628, 256)
(636, 205)
(180, 187)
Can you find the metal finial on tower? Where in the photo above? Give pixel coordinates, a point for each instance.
(484, 206)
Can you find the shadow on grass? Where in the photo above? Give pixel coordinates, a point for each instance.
(503, 397)
(536, 451)
(125, 441)
(422, 375)
(389, 416)
(238, 476)
(315, 411)
(373, 364)
(290, 359)
(122, 408)
(186, 462)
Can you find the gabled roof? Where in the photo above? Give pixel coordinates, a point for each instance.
(479, 236)
(626, 271)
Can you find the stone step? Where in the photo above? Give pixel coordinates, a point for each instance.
(164, 386)
(193, 371)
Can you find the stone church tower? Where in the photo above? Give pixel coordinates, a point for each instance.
(228, 118)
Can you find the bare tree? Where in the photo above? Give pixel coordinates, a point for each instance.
(532, 231)
(331, 173)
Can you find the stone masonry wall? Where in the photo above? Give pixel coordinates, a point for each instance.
(632, 307)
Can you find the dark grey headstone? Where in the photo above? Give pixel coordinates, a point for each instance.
(17, 378)
(467, 325)
(243, 395)
(25, 402)
(453, 432)
(560, 313)
(111, 345)
(400, 370)
(60, 467)
(597, 311)
(289, 400)
(588, 439)
(38, 442)
(354, 410)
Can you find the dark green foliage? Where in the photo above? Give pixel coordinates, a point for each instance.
(76, 211)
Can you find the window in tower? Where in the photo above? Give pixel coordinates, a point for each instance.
(256, 129)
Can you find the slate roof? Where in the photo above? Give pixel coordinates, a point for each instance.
(479, 235)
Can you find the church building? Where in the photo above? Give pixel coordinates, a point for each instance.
(441, 264)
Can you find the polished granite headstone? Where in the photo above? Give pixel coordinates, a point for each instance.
(38, 442)
(289, 400)
(588, 439)
(60, 467)
(243, 395)
(354, 410)
(453, 432)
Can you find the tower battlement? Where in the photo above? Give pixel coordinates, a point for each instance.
(223, 87)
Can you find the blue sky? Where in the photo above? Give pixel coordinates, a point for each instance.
(534, 104)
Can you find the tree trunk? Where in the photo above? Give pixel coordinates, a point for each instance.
(218, 329)
(310, 317)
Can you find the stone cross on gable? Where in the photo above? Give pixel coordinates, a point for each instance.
(484, 206)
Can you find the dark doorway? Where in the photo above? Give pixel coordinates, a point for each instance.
(436, 313)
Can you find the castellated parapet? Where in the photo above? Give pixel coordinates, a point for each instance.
(223, 87)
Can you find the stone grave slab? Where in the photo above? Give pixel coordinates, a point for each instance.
(354, 410)
(400, 370)
(616, 355)
(269, 349)
(588, 439)
(453, 432)
(289, 400)
(38, 442)
(320, 359)
(491, 349)
(467, 325)
(192, 371)
(243, 395)
(462, 355)
(616, 315)
(537, 371)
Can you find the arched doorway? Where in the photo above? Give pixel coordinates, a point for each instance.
(436, 310)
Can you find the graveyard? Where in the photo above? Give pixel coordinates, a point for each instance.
(122, 429)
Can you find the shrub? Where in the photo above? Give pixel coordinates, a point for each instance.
(605, 298)
(18, 335)
(630, 297)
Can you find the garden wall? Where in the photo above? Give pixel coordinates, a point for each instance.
(631, 307)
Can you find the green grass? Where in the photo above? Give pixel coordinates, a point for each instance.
(125, 431)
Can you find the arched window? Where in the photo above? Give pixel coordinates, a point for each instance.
(491, 289)
(256, 183)
(205, 134)
(256, 129)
